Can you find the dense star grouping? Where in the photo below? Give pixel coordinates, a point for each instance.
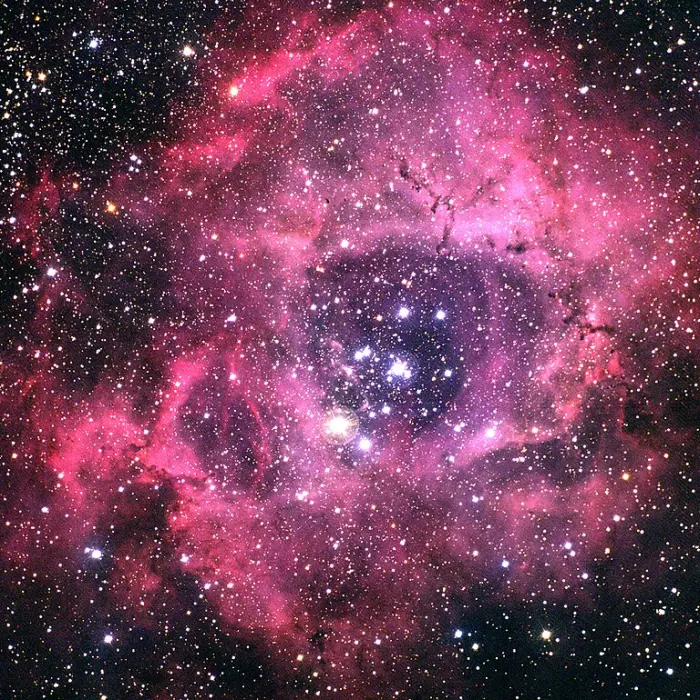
(350, 350)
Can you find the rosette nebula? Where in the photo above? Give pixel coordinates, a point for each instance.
(350, 350)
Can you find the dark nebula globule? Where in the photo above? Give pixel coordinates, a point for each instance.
(350, 349)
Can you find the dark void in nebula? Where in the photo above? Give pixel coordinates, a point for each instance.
(350, 350)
